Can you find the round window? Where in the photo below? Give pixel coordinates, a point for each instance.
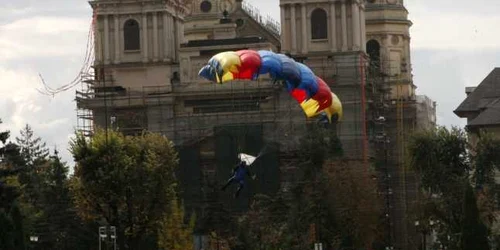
(206, 6)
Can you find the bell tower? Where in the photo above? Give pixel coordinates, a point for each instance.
(209, 19)
(329, 37)
(212, 8)
(137, 31)
(388, 43)
(136, 49)
(325, 26)
(388, 46)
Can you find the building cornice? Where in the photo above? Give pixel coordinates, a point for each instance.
(109, 7)
(389, 21)
(301, 2)
(378, 7)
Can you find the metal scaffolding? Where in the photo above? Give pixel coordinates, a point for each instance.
(210, 123)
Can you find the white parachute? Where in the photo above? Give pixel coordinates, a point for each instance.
(249, 159)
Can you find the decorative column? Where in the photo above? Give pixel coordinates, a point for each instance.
(155, 37)
(117, 39)
(106, 39)
(144, 37)
(333, 27)
(98, 43)
(362, 20)
(284, 31)
(304, 29)
(166, 35)
(171, 45)
(181, 33)
(356, 40)
(344, 25)
(293, 29)
(176, 39)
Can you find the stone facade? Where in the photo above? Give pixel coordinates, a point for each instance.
(426, 112)
(322, 26)
(148, 54)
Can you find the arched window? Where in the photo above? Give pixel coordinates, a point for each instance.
(319, 24)
(373, 50)
(131, 35)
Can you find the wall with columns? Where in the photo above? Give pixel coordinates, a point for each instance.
(160, 34)
(157, 39)
(346, 26)
(200, 29)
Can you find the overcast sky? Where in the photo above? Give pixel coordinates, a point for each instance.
(454, 44)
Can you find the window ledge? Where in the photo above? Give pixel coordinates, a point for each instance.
(132, 51)
(319, 40)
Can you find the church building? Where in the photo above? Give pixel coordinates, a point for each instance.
(148, 54)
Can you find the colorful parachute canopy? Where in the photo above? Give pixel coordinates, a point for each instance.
(310, 91)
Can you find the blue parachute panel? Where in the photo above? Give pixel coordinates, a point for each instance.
(308, 80)
(207, 72)
(270, 63)
(290, 70)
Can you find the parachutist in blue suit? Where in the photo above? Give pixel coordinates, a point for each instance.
(239, 173)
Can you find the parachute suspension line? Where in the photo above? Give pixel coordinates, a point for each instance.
(363, 110)
(338, 124)
(85, 68)
(216, 114)
(233, 109)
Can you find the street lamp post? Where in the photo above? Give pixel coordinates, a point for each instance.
(103, 235)
(113, 236)
(424, 229)
(34, 239)
(318, 246)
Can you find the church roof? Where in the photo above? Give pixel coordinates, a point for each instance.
(486, 91)
(484, 100)
(258, 25)
(490, 116)
(267, 24)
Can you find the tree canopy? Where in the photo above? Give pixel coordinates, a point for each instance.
(124, 181)
(12, 232)
(449, 166)
(333, 201)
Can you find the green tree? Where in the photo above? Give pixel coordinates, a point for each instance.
(126, 182)
(215, 220)
(486, 158)
(333, 202)
(440, 157)
(18, 233)
(474, 232)
(33, 158)
(173, 233)
(264, 226)
(310, 197)
(12, 233)
(338, 197)
(33, 149)
(355, 203)
(58, 225)
(447, 165)
(34, 154)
